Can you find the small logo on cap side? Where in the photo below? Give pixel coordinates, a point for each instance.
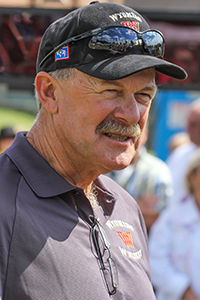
(62, 54)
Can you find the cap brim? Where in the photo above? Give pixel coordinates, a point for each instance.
(118, 67)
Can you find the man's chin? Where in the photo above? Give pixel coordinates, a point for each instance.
(119, 166)
(117, 161)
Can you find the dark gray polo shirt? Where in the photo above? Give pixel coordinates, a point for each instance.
(46, 246)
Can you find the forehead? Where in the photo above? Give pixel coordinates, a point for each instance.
(147, 77)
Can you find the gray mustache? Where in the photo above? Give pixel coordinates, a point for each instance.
(114, 126)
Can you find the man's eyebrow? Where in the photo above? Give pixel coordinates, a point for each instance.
(111, 82)
(114, 82)
(150, 88)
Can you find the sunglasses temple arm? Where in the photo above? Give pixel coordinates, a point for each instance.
(73, 39)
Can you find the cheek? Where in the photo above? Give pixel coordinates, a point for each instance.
(137, 144)
(98, 112)
(144, 116)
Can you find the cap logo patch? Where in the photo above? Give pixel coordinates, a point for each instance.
(62, 53)
(126, 238)
(133, 24)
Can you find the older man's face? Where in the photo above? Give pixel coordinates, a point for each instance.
(96, 119)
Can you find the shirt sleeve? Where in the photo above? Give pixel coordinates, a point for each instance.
(8, 188)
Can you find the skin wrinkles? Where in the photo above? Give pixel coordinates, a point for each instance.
(74, 108)
(64, 172)
(112, 84)
(49, 149)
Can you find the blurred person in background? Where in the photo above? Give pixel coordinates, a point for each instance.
(177, 140)
(174, 243)
(148, 180)
(178, 159)
(7, 136)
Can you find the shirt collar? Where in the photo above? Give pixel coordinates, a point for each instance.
(40, 176)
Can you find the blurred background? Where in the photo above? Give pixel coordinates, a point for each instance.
(23, 22)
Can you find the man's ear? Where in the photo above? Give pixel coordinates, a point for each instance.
(45, 86)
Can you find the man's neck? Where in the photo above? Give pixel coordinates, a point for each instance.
(46, 142)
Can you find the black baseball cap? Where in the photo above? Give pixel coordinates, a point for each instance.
(99, 63)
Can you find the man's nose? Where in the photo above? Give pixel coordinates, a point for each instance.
(128, 110)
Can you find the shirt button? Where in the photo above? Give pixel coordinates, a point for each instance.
(77, 193)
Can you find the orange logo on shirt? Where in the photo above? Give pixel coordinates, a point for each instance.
(126, 238)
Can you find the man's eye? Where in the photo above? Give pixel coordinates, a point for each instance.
(111, 92)
(143, 98)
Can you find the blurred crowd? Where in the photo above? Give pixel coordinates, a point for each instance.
(20, 35)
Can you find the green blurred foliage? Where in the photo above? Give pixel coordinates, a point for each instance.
(19, 120)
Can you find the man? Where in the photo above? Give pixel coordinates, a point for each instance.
(7, 136)
(148, 180)
(178, 159)
(66, 231)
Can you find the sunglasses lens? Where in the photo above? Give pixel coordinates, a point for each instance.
(120, 39)
(154, 43)
(117, 39)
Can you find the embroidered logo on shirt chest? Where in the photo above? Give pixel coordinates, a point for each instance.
(126, 237)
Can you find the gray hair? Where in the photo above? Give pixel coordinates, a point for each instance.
(60, 74)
